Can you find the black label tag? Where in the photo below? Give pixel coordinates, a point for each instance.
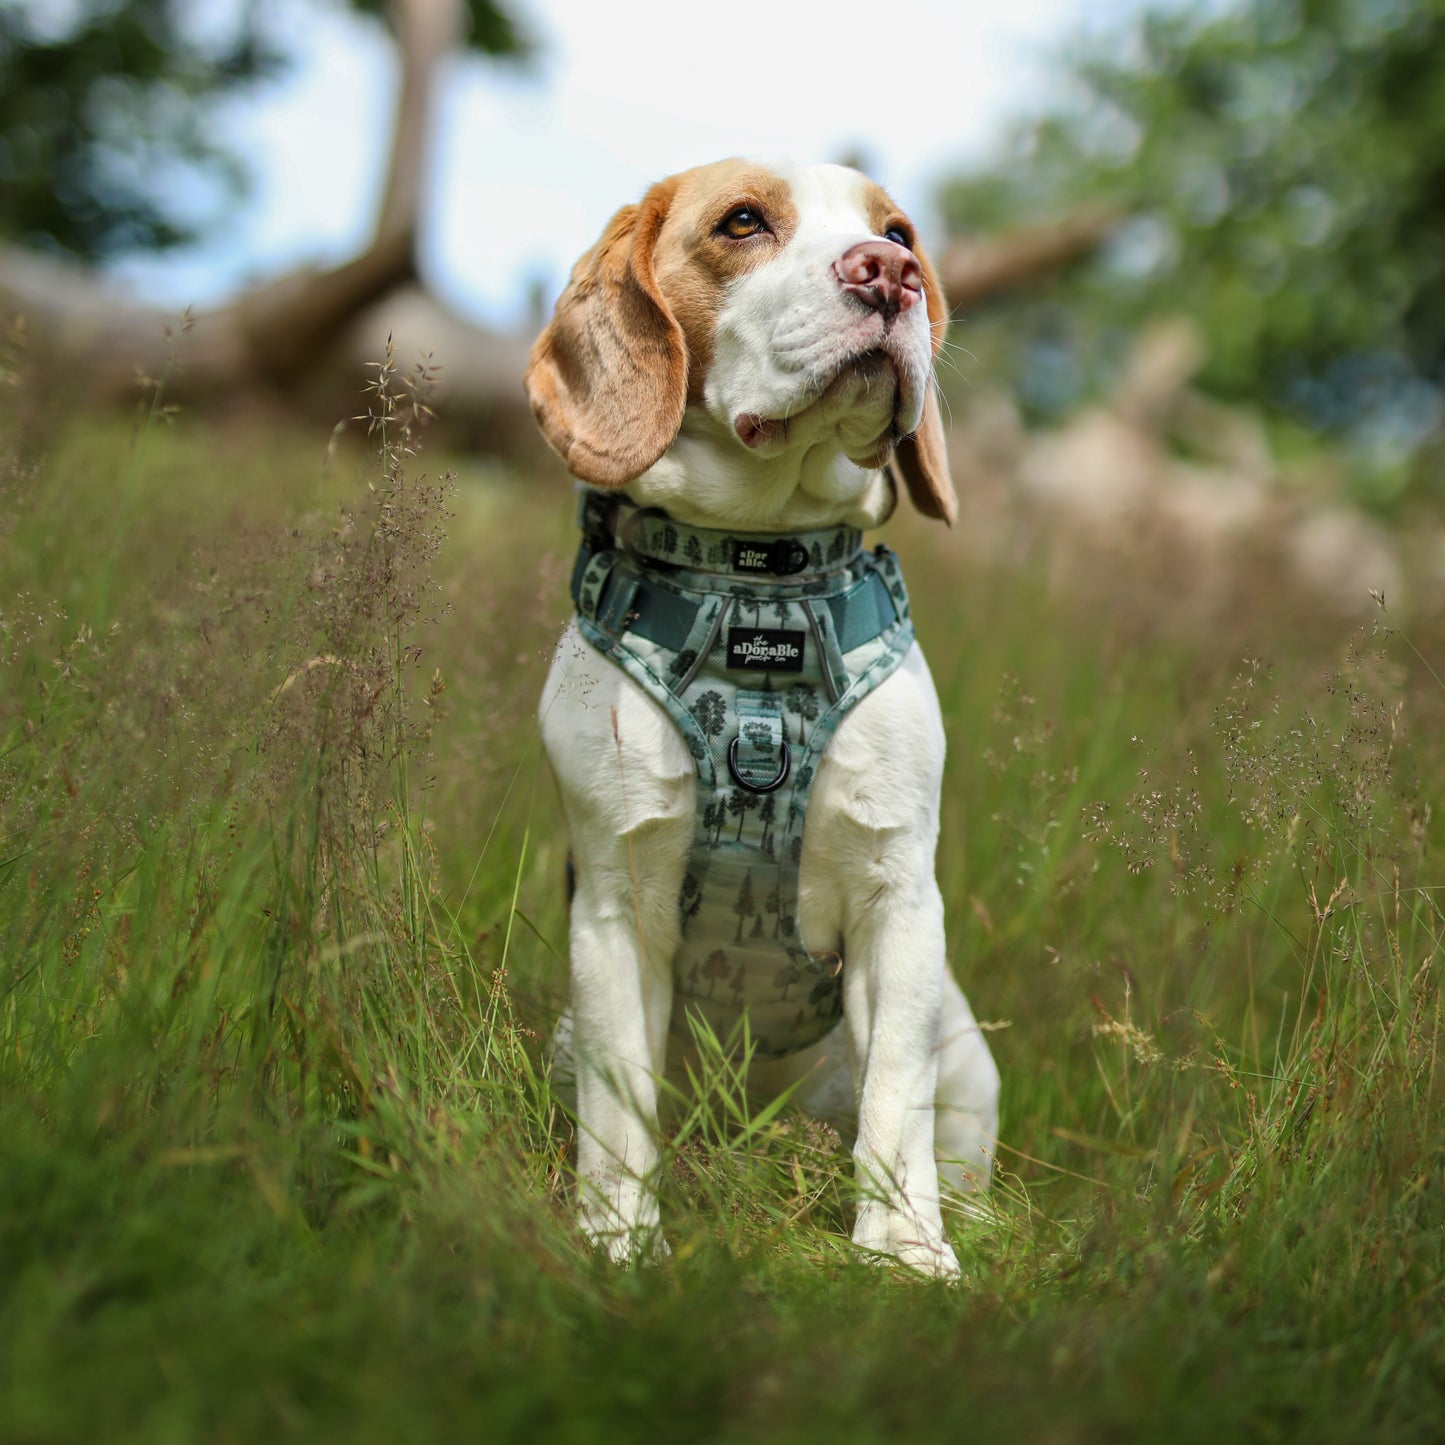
(749, 557)
(765, 649)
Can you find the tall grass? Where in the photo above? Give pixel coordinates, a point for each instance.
(281, 933)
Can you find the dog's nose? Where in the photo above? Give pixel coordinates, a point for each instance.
(883, 275)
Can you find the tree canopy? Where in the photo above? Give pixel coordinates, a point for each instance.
(104, 102)
(1280, 165)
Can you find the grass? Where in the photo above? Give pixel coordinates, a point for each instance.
(281, 933)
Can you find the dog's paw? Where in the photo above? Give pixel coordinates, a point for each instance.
(631, 1237)
(890, 1236)
(629, 1247)
(935, 1260)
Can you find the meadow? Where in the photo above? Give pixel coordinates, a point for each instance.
(282, 933)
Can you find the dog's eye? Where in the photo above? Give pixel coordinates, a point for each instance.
(742, 222)
(899, 236)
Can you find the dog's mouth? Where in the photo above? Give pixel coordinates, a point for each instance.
(755, 431)
(850, 382)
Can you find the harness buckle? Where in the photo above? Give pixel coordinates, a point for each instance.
(789, 557)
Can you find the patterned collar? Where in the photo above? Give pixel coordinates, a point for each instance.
(648, 534)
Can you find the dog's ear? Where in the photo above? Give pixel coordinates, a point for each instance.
(607, 379)
(922, 458)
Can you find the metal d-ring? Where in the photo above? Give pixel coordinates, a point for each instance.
(742, 782)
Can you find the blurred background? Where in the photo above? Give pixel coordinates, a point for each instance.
(1193, 251)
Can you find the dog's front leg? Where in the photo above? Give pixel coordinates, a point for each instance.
(628, 788)
(868, 861)
(621, 1001)
(893, 993)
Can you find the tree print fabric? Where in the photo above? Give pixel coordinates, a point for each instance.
(757, 646)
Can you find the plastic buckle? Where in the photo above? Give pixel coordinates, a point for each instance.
(787, 557)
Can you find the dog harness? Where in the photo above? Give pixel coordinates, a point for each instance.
(757, 646)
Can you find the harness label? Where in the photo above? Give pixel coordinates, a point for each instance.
(765, 649)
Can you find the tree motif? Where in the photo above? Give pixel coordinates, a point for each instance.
(714, 968)
(682, 663)
(710, 709)
(816, 555)
(739, 982)
(774, 904)
(690, 898)
(756, 732)
(786, 977)
(827, 994)
(835, 548)
(740, 803)
(744, 907)
(802, 701)
(766, 814)
(692, 550)
(669, 539)
(714, 816)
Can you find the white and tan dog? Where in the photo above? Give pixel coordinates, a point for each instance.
(747, 349)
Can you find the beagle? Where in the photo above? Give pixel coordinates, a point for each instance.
(747, 741)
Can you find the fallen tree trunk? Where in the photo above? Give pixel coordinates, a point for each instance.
(976, 271)
(267, 337)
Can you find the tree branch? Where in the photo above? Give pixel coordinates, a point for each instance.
(975, 271)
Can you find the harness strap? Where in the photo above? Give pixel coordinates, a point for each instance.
(759, 757)
(622, 599)
(757, 672)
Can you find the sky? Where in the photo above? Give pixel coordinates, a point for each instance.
(525, 168)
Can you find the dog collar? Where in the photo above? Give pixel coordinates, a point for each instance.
(649, 534)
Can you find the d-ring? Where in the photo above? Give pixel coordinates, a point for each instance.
(742, 782)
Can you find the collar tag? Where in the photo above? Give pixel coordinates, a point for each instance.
(782, 558)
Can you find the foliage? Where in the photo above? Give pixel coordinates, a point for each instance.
(490, 29)
(1279, 165)
(104, 116)
(279, 933)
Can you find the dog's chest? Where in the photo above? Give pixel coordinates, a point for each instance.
(757, 647)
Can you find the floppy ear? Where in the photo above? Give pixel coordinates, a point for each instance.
(607, 379)
(922, 458)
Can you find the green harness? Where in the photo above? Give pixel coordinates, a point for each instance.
(757, 646)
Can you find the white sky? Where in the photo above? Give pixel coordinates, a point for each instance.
(526, 169)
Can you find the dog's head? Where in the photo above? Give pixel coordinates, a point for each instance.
(783, 319)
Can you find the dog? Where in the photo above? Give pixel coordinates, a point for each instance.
(739, 372)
